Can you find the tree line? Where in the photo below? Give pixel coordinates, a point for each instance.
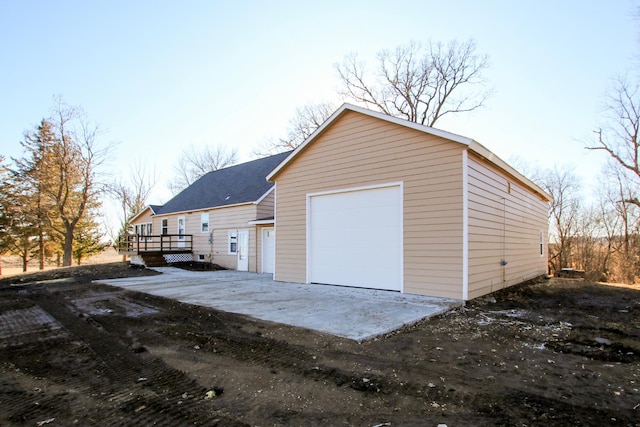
(601, 236)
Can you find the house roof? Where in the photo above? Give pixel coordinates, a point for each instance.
(239, 184)
(472, 145)
(153, 208)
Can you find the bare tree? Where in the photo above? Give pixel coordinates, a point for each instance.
(623, 224)
(194, 163)
(304, 122)
(620, 137)
(564, 213)
(76, 159)
(132, 196)
(419, 83)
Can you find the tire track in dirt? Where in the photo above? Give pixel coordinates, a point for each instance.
(150, 398)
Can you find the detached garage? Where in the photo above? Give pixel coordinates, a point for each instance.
(373, 201)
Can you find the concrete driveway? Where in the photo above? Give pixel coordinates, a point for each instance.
(354, 313)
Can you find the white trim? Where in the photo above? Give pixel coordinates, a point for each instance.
(399, 184)
(262, 221)
(264, 195)
(133, 219)
(465, 225)
(229, 232)
(350, 189)
(344, 107)
(208, 230)
(275, 227)
(470, 143)
(484, 153)
(203, 209)
(262, 249)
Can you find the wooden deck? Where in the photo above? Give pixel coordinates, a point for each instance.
(131, 244)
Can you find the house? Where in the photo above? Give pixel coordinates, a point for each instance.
(370, 200)
(225, 217)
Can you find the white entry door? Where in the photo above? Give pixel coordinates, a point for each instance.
(268, 250)
(243, 250)
(355, 238)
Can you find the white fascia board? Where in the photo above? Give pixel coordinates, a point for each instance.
(205, 209)
(484, 152)
(140, 214)
(350, 107)
(262, 222)
(264, 195)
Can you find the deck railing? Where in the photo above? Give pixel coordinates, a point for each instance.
(134, 244)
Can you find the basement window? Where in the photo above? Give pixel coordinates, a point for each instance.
(200, 257)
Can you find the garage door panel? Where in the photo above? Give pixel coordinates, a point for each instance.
(355, 238)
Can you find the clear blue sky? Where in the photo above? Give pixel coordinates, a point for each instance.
(160, 75)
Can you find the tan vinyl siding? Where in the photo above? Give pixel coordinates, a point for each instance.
(265, 207)
(232, 218)
(147, 216)
(358, 150)
(505, 222)
(221, 221)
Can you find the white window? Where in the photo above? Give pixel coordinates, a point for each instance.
(144, 231)
(165, 226)
(204, 222)
(233, 242)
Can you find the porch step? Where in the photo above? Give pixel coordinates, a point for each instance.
(153, 259)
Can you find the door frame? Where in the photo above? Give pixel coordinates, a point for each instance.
(308, 236)
(184, 230)
(263, 250)
(242, 245)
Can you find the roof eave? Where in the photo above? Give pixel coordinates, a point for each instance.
(485, 153)
(350, 107)
(205, 209)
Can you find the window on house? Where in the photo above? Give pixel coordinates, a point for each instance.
(200, 257)
(541, 243)
(165, 226)
(233, 242)
(204, 222)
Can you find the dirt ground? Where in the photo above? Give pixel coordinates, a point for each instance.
(548, 353)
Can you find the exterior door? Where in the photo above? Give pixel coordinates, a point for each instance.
(243, 250)
(355, 238)
(181, 231)
(268, 250)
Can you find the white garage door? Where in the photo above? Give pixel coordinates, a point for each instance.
(355, 238)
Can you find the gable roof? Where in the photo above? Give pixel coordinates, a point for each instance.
(239, 184)
(472, 145)
(153, 208)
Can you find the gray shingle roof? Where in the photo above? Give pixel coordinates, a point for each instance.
(241, 183)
